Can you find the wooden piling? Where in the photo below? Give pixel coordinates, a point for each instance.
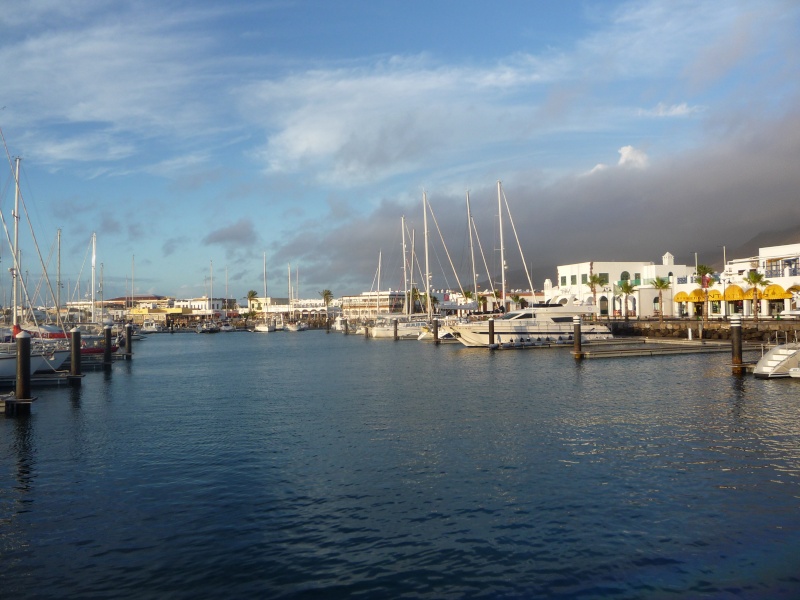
(394, 329)
(436, 331)
(491, 332)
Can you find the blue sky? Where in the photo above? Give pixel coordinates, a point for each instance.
(187, 134)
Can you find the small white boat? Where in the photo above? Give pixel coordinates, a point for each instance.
(265, 326)
(207, 327)
(151, 327)
(226, 327)
(295, 326)
(406, 329)
(794, 372)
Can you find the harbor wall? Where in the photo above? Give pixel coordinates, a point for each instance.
(764, 330)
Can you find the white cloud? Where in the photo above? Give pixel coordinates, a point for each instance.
(632, 157)
(663, 109)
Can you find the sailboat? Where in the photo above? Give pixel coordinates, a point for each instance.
(209, 325)
(293, 324)
(43, 357)
(409, 326)
(266, 325)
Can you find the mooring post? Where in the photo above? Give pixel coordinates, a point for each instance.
(346, 327)
(107, 345)
(327, 324)
(491, 332)
(128, 341)
(736, 344)
(74, 377)
(436, 331)
(21, 403)
(366, 331)
(394, 329)
(576, 337)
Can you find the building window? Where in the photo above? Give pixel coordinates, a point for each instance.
(603, 278)
(625, 276)
(573, 279)
(564, 280)
(584, 278)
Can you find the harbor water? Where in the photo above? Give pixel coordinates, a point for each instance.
(314, 465)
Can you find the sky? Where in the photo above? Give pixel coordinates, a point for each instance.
(197, 138)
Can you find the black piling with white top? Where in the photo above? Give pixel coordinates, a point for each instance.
(107, 346)
(577, 351)
(75, 376)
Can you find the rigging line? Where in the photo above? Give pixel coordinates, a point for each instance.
(441, 237)
(483, 256)
(519, 246)
(38, 253)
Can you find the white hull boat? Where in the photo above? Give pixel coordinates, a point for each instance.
(529, 327)
(406, 330)
(265, 327)
(780, 361)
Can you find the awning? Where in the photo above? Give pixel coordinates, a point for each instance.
(734, 293)
(714, 295)
(681, 297)
(776, 292)
(748, 294)
(697, 296)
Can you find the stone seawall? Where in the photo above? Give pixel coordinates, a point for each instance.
(764, 330)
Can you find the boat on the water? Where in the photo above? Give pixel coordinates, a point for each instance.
(295, 326)
(537, 325)
(781, 361)
(408, 328)
(207, 327)
(151, 327)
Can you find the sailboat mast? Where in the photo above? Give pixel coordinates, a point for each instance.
(427, 267)
(378, 294)
(265, 284)
(14, 285)
(94, 259)
(502, 247)
(58, 279)
(212, 290)
(405, 271)
(472, 252)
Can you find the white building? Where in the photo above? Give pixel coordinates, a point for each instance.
(730, 293)
(572, 286)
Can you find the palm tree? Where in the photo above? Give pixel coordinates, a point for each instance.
(517, 300)
(497, 295)
(594, 282)
(704, 279)
(757, 280)
(661, 284)
(327, 296)
(626, 288)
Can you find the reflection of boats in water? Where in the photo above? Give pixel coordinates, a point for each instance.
(529, 327)
(780, 361)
